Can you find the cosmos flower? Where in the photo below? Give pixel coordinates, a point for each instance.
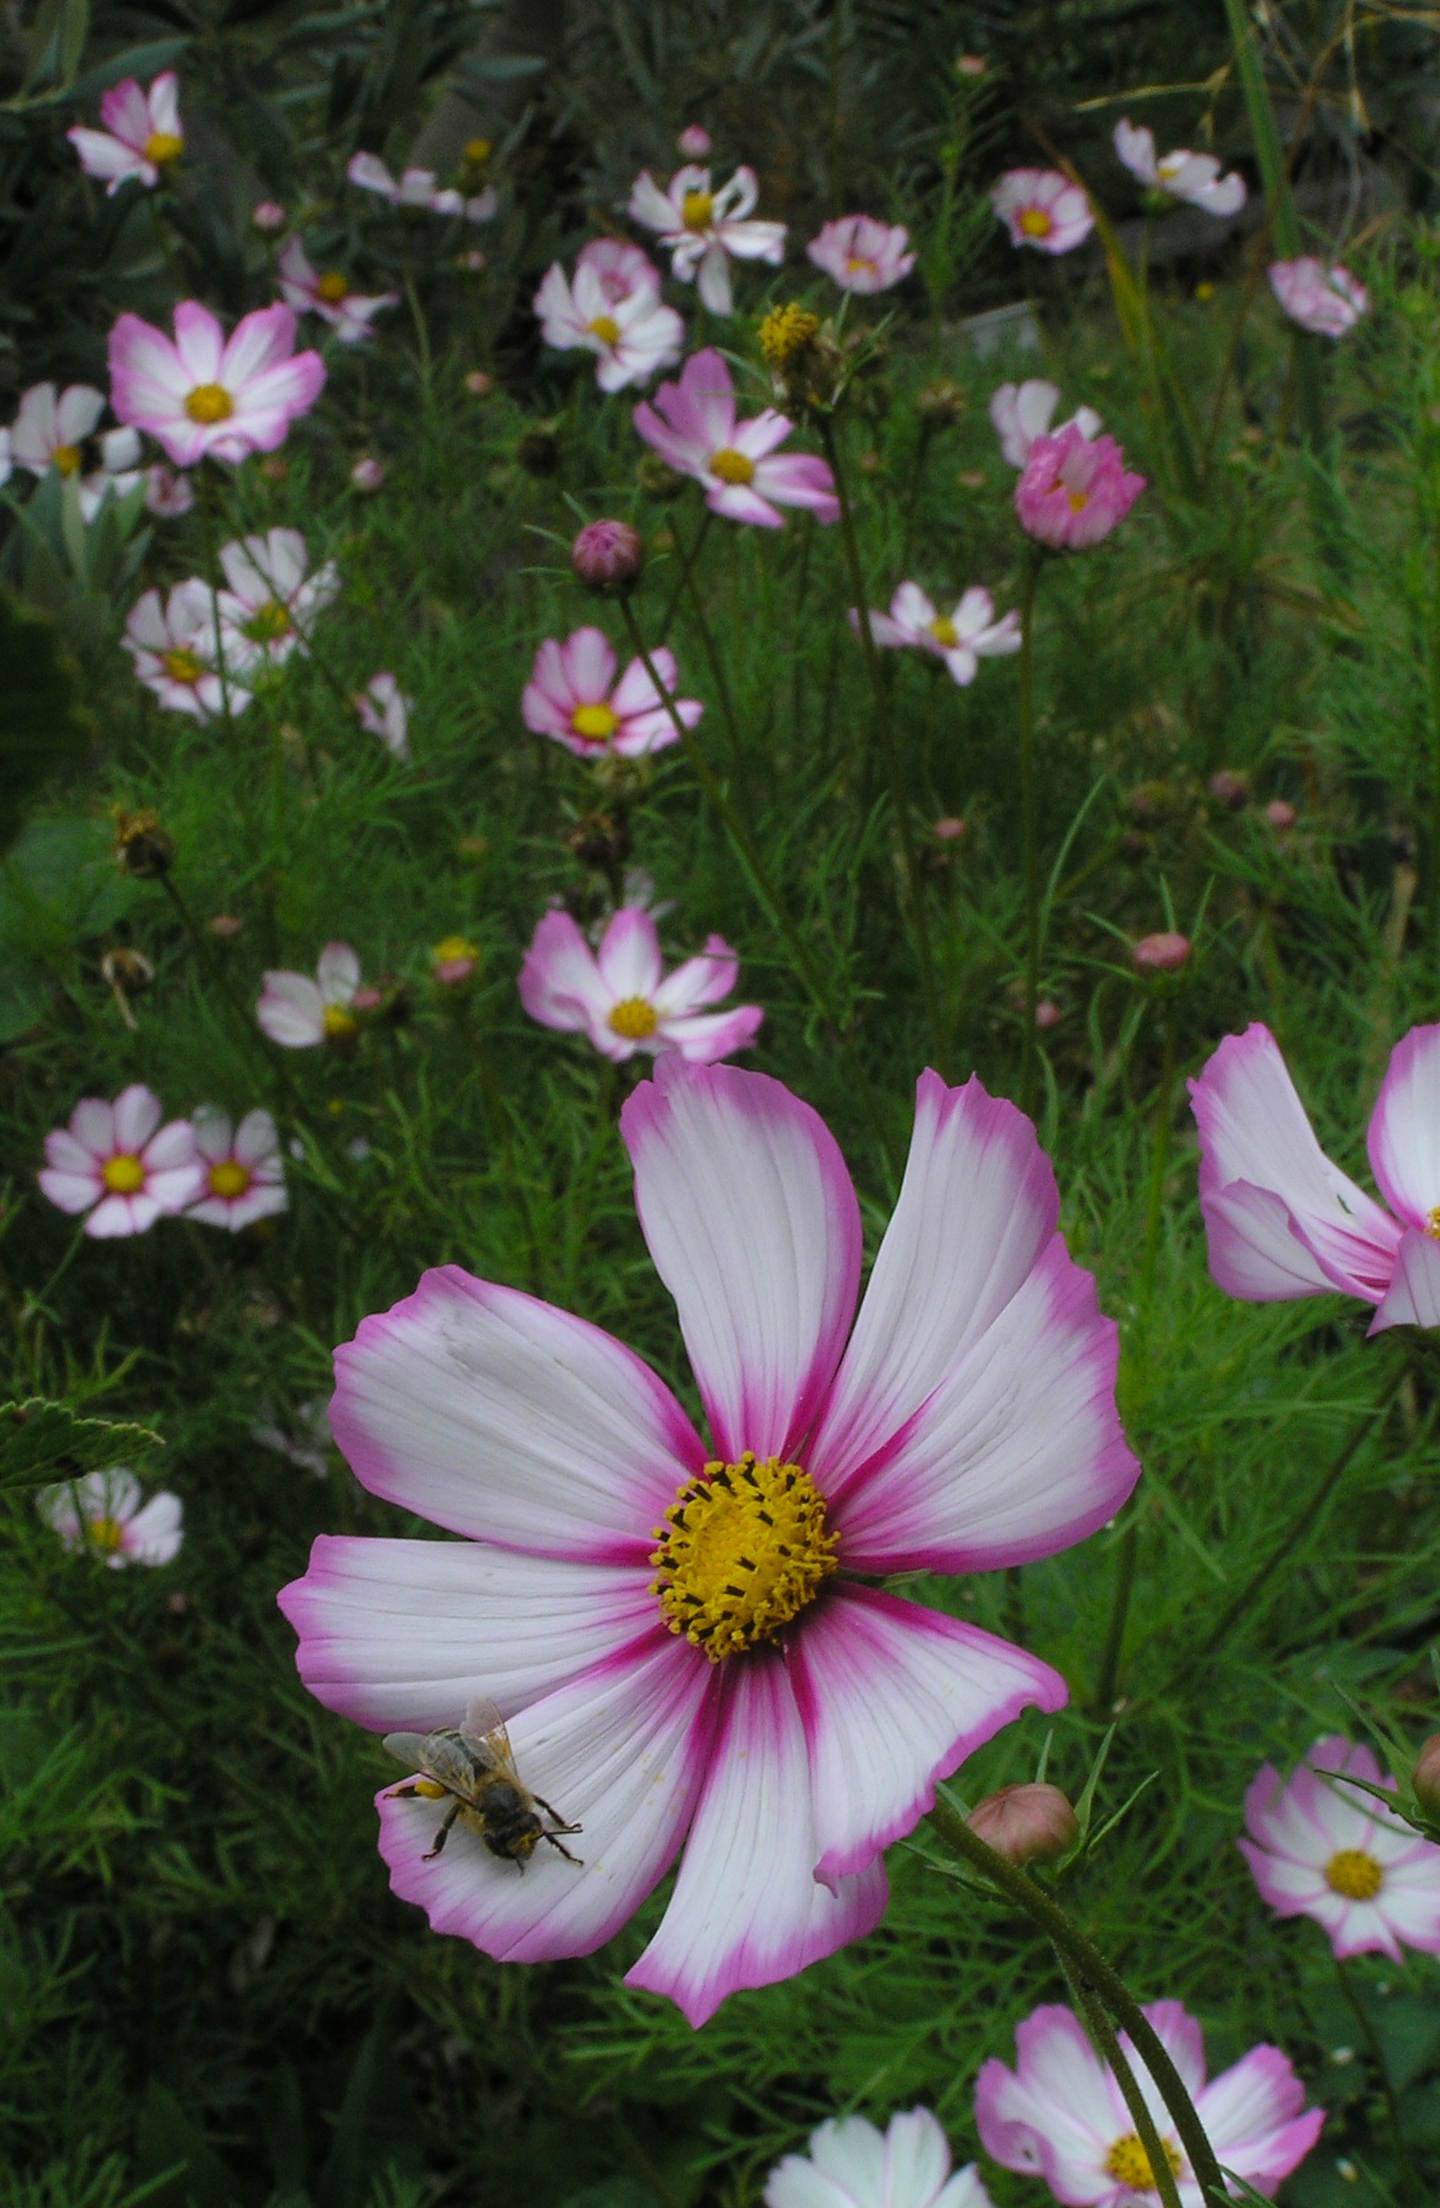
(58, 432)
(453, 960)
(271, 601)
(852, 2164)
(328, 294)
(204, 395)
(792, 1729)
(1059, 2115)
(1074, 489)
(1040, 207)
(417, 188)
(621, 268)
(1193, 177)
(961, 638)
(116, 1163)
(1281, 1220)
(104, 1512)
(1325, 299)
(384, 710)
(1021, 412)
(632, 336)
(706, 229)
(243, 1168)
(573, 696)
(692, 426)
(621, 996)
(168, 494)
(861, 254)
(172, 643)
(142, 135)
(297, 1012)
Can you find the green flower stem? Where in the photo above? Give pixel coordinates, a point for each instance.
(717, 664)
(207, 538)
(1109, 2049)
(1080, 1955)
(688, 559)
(1029, 1055)
(1415, 2189)
(1126, 1559)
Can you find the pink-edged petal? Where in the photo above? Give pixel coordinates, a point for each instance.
(1254, 1248)
(337, 971)
(1404, 1138)
(702, 980)
(799, 479)
(629, 955)
(125, 110)
(116, 1216)
(503, 1418)
(894, 1698)
(79, 409)
(72, 1192)
(559, 981)
(737, 502)
(702, 1038)
(646, 732)
(747, 1909)
(1050, 2117)
(890, 634)
(751, 1219)
(1413, 1296)
(172, 1191)
(104, 156)
(146, 356)
(173, 1146)
(292, 1011)
(587, 661)
(64, 1154)
(635, 692)
(256, 1138)
(912, 610)
(706, 395)
(259, 341)
(649, 206)
(757, 439)
(92, 1123)
(153, 1536)
(200, 341)
(1182, 2040)
(137, 1115)
(713, 278)
(1253, 2115)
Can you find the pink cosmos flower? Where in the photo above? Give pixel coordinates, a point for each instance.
(706, 229)
(168, 494)
(851, 2164)
(1322, 1849)
(172, 643)
(735, 461)
(1193, 177)
(384, 710)
(961, 638)
(622, 268)
(244, 1171)
(104, 1513)
(1073, 489)
(632, 336)
(203, 395)
(119, 1165)
(1021, 412)
(297, 1012)
(328, 294)
(267, 611)
(1327, 300)
(797, 1727)
(417, 188)
(862, 255)
(1282, 1221)
(58, 432)
(1040, 207)
(573, 696)
(1059, 2115)
(142, 134)
(621, 996)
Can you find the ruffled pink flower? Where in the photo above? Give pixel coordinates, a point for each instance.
(1323, 1849)
(271, 600)
(797, 1728)
(417, 188)
(631, 337)
(384, 709)
(862, 254)
(204, 395)
(621, 268)
(116, 1163)
(298, 1013)
(1060, 2116)
(1193, 177)
(173, 645)
(142, 134)
(852, 2164)
(1327, 300)
(244, 1171)
(58, 431)
(961, 638)
(328, 294)
(706, 229)
(573, 696)
(736, 461)
(1281, 1220)
(1074, 489)
(1021, 412)
(168, 494)
(621, 997)
(105, 1512)
(1040, 207)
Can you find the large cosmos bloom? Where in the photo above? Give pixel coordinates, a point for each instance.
(117, 1164)
(1193, 177)
(58, 431)
(861, 254)
(272, 599)
(1281, 1220)
(960, 638)
(1074, 489)
(851, 2164)
(684, 1635)
(172, 643)
(705, 228)
(631, 337)
(573, 696)
(298, 1013)
(1323, 298)
(328, 293)
(1059, 2115)
(700, 436)
(1021, 412)
(206, 395)
(417, 188)
(142, 135)
(243, 1168)
(621, 996)
(1040, 207)
(106, 1513)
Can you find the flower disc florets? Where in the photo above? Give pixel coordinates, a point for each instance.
(742, 1552)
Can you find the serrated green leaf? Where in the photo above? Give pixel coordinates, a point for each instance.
(42, 1441)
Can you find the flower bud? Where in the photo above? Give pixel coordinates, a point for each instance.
(142, 846)
(970, 65)
(1164, 953)
(694, 142)
(479, 384)
(1230, 789)
(1281, 815)
(608, 555)
(268, 215)
(225, 925)
(475, 262)
(1030, 1823)
(1047, 1014)
(453, 960)
(368, 474)
(275, 467)
(949, 829)
(1426, 1779)
(941, 403)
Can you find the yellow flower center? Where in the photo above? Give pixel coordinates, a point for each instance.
(268, 623)
(1354, 1874)
(1078, 500)
(696, 209)
(732, 466)
(633, 1018)
(785, 333)
(1432, 1222)
(596, 724)
(229, 1178)
(743, 1551)
(123, 1175)
(942, 628)
(857, 261)
(338, 1021)
(606, 328)
(182, 666)
(209, 402)
(67, 459)
(477, 153)
(162, 146)
(331, 287)
(1129, 2164)
(105, 1534)
(452, 947)
(1037, 224)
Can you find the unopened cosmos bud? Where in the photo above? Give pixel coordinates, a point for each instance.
(1029, 1823)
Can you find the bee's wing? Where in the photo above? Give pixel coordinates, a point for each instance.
(485, 1735)
(406, 1748)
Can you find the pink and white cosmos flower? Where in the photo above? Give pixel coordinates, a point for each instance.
(1040, 207)
(298, 1013)
(244, 1171)
(632, 336)
(789, 1732)
(1060, 2116)
(621, 996)
(1021, 412)
(706, 229)
(573, 696)
(736, 461)
(142, 135)
(57, 430)
(173, 645)
(961, 639)
(852, 2164)
(1323, 298)
(1193, 177)
(105, 1512)
(1322, 1849)
(271, 599)
(622, 268)
(1282, 1221)
(861, 254)
(417, 188)
(116, 1163)
(383, 708)
(204, 396)
(328, 294)
(168, 494)
(1073, 489)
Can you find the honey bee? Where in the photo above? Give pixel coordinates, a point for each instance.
(473, 1763)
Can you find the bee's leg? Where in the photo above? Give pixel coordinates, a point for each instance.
(444, 1833)
(561, 1845)
(553, 1814)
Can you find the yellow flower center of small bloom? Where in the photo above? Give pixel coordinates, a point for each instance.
(338, 1021)
(268, 623)
(606, 328)
(785, 333)
(743, 1551)
(67, 459)
(732, 466)
(1129, 2164)
(182, 666)
(453, 947)
(331, 287)
(477, 152)
(633, 1018)
(105, 1534)
(857, 261)
(209, 402)
(123, 1175)
(696, 209)
(1354, 1874)
(1037, 224)
(162, 146)
(1078, 500)
(229, 1178)
(595, 723)
(1432, 1222)
(942, 628)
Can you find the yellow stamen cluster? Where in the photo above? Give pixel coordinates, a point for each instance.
(743, 1551)
(696, 209)
(477, 153)
(732, 466)
(209, 402)
(1129, 2164)
(182, 666)
(596, 724)
(786, 333)
(1432, 1222)
(942, 628)
(163, 146)
(633, 1018)
(67, 459)
(338, 1022)
(1354, 1874)
(606, 328)
(123, 1175)
(1078, 501)
(1036, 223)
(452, 947)
(856, 261)
(105, 1534)
(332, 287)
(229, 1178)
(268, 623)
